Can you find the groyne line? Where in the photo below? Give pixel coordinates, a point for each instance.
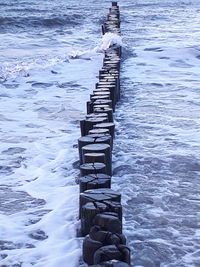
(100, 209)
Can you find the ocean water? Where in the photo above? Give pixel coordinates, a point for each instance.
(156, 156)
(50, 57)
(50, 54)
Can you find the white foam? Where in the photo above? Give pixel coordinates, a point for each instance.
(109, 39)
(43, 116)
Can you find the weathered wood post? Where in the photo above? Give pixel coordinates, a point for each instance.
(100, 209)
(94, 181)
(100, 148)
(98, 238)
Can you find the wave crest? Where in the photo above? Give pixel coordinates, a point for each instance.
(11, 23)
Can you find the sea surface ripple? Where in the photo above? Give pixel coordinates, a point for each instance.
(156, 163)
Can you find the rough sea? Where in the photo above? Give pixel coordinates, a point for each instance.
(50, 55)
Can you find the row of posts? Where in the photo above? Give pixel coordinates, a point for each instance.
(100, 209)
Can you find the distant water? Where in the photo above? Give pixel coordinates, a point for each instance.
(49, 54)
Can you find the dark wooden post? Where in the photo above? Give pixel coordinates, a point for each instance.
(94, 181)
(98, 238)
(92, 168)
(88, 124)
(100, 210)
(100, 148)
(108, 125)
(99, 195)
(90, 139)
(120, 252)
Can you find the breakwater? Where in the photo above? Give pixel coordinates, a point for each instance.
(100, 209)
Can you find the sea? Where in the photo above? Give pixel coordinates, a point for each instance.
(50, 55)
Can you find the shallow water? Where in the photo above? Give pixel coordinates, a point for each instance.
(43, 93)
(156, 163)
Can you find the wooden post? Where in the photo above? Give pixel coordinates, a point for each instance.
(99, 131)
(120, 252)
(92, 168)
(100, 210)
(93, 157)
(108, 125)
(88, 124)
(108, 111)
(91, 139)
(94, 181)
(99, 195)
(109, 222)
(98, 238)
(100, 148)
(111, 263)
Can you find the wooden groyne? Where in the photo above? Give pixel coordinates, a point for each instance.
(100, 209)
